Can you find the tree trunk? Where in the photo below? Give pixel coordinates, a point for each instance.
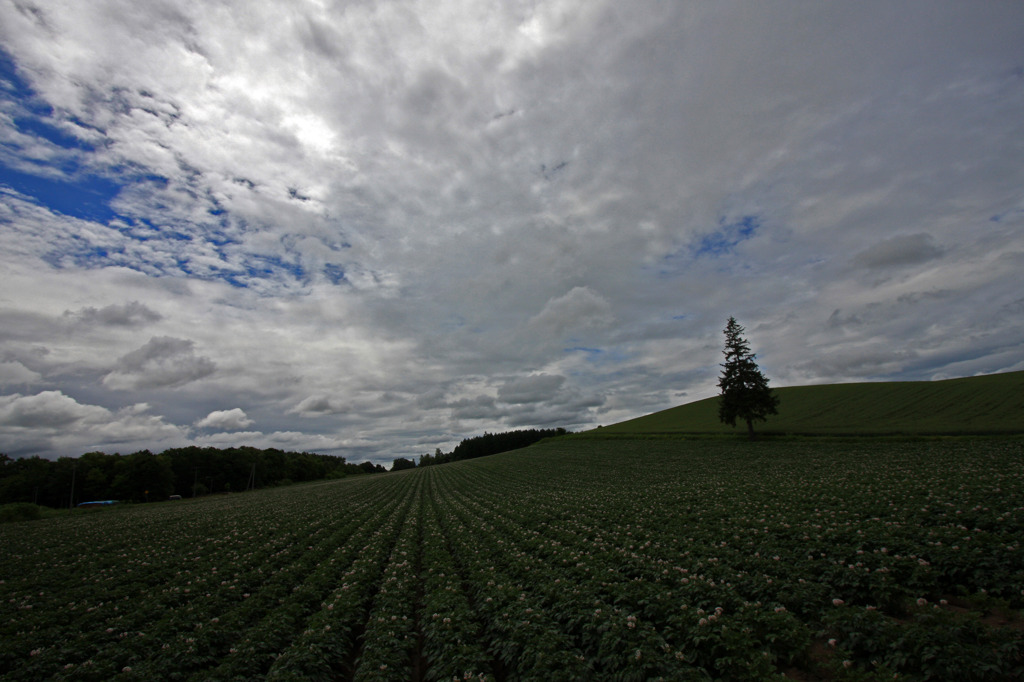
(750, 429)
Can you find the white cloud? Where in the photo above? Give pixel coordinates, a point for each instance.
(52, 422)
(49, 409)
(282, 440)
(15, 374)
(315, 405)
(412, 221)
(579, 309)
(227, 420)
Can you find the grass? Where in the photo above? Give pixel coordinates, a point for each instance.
(17, 512)
(983, 405)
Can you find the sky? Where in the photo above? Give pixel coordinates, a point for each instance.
(374, 229)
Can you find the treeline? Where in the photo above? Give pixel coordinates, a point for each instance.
(489, 444)
(143, 476)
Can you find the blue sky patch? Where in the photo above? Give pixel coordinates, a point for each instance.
(727, 236)
(40, 127)
(598, 357)
(1007, 215)
(86, 256)
(268, 266)
(87, 198)
(719, 243)
(62, 186)
(15, 87)
(335, 273)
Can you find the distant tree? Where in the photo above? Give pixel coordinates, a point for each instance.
(371, 468)
(144, 476)
(402, 463)
(136, 475)
(437, 458)
(31, 479)
(745, 392)
(494, 443)
(95, 472)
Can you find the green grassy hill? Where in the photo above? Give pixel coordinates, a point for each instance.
(992, 404)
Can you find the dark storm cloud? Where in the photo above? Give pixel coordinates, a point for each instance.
(896, 251)
(163, 362)
(131, 314)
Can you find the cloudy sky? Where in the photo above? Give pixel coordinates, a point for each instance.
(375, 228)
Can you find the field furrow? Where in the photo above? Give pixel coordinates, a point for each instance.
(627, 560)
(453, 634)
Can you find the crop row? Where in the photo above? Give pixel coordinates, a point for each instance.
(641, 560)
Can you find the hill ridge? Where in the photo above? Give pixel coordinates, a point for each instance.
(986, 404)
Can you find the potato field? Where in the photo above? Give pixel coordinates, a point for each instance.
(571, 560)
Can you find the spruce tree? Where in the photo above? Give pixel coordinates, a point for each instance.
(745, 392)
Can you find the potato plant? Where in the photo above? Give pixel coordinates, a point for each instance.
(573, 559)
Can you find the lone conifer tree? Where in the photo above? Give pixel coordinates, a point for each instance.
(745, 393)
